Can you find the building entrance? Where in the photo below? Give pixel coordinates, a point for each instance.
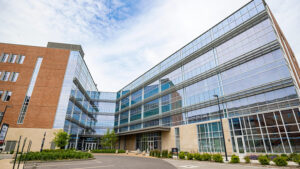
(148, 141)
(90, 146)
(240, 146)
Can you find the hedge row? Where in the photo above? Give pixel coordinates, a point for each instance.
(107, 151)
(279, 160)
(56, 155)
(159, 154)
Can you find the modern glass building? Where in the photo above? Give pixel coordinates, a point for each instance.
(246, 61)
(83, 111)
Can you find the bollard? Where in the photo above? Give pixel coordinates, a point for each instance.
(22, 152)
(17, 152)
(28, 150)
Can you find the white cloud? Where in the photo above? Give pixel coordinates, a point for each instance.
(118, 51)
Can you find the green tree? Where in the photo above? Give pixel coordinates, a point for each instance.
(109, 139)
(61, 139)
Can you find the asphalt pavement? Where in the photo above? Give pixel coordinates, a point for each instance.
(106, 162)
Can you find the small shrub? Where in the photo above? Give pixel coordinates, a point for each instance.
(294, 157)
(11, 152)
(170, 155)
(197, 156)
(218, 158)
(164, 154)
(151, 153)
(121, 151)
(264, 160)
(157, 153)
(190, 156)
(247, 159)
(280, 161)
(181, 155)
(286, 157)
(206, 157)
(235, 159)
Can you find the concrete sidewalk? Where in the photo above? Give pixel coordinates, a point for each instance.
(182, 164)
(8, 164)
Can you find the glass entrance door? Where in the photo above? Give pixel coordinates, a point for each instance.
(240, 145)
(90, 146)
(148, 141)
(151, 145)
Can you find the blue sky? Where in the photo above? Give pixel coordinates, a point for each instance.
(124, 38)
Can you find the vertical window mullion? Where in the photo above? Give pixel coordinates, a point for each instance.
(287, 136)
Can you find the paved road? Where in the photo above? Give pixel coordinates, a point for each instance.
(108, 162)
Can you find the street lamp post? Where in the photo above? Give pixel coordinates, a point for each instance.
(43, 142)
(220, 115)
(4, 113)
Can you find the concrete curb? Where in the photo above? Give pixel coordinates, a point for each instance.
(49, 161)
(255, 163)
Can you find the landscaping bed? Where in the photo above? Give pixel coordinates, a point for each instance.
(48, 155)
(277, 159)
(107, 151)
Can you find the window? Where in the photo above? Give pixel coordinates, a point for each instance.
(177, 139)
(10, 146)
(5, 76)
(14, 76)
(21, 59)
(1, 116)
(4, 57)
(12, 58)
(6, 96)
(30, 90)
(210, 137)
(1, 93)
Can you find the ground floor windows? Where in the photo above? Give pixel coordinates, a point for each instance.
(84, 143)
(272, 132)
(210, 137)
(10, 146)
(148, 141)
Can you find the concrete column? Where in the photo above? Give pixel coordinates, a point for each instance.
(227, 137)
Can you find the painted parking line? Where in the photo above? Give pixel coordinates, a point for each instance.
(188, 166)
(96, 167)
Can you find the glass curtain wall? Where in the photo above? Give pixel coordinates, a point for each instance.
(185, 94)
(210, 137)
(239, 17)
(271, 132)
(76, 103)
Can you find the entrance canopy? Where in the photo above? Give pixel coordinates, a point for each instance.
(144, 130)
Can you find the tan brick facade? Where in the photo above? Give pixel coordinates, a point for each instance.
(34, 134)
(188, 138)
